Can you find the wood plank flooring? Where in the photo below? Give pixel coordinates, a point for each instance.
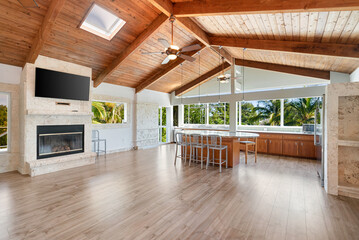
(141, 195)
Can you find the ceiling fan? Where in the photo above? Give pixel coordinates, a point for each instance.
(172, 51)
(225, 77)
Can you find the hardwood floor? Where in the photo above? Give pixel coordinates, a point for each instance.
(141, 195)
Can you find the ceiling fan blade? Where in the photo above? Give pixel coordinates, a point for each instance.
(151, 53)
(188, 58)
(164, 42)
(166, 60)
(191, 48)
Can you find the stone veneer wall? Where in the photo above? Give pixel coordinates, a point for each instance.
(146, 125)
(342, 138)
(44, 111)
(9, 160)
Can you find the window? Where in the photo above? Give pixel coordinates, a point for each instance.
(3, 121)
(175, 116)
(108, 112)
(218, 113)
(102, 22)
(195, 114)
(162, 122)
(299, 111)
(261, 113)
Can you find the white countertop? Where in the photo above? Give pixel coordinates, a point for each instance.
(223, 134)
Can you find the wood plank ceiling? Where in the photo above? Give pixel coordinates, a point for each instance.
(19, 27)
(321, 27)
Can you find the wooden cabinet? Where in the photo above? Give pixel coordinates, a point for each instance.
(275, 146)
(270, 143)
(307, 149)
(290, 148)
(299, 146)
(262, 145)
(294, 145)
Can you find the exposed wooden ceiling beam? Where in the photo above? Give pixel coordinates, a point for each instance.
(135, 45)
(227, 56)
(45, 30)
(162, 72)
(308, 72)
(201, 79)
(166, 6)
(330, 49)
(222, 7)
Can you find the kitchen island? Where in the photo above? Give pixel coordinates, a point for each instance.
(231, 140)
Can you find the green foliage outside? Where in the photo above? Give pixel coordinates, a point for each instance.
(3, 125)
(195, 114)
(107, 112)
(175, 116)
(218, 113)
(162, 121)
(297, 112)
(300, 111)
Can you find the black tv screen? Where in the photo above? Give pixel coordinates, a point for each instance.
(53, 84)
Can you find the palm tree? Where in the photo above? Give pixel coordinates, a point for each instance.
(304, 109)
(114, 113)
(99, 112)
(248, 114)
(269, 112)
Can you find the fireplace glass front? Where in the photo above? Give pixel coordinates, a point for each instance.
(59, 140)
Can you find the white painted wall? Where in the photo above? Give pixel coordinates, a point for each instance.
(10, 74)
(121, 137)
(354, 76)
(337, 77)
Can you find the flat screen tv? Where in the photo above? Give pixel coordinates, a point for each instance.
(53, 84)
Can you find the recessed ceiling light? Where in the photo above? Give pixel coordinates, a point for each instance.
(101, 22)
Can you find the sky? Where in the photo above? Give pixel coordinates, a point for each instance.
(3, 99)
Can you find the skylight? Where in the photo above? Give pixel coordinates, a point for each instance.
(101, 22)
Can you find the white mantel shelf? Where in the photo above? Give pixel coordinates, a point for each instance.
(57, 113)
(347, 143)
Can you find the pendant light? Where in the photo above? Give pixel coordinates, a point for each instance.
(181, 81)
(243, 75)
(219, 82)
(199, 74)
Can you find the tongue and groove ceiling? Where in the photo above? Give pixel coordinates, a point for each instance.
(66, 41)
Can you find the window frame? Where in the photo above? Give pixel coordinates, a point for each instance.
(161, 126)
(8, 117)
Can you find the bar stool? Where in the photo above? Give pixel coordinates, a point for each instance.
(196, 143)
(182, 142)
(248, 143)
(215, 143)
(96, 140)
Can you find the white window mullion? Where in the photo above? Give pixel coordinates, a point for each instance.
(207, 113)
(282, 112)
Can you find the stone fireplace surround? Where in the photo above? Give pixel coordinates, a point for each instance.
(36, 111)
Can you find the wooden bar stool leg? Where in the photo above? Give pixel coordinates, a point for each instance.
(246, 152)
(255, 150)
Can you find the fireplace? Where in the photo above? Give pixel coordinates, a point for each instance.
(59, 140)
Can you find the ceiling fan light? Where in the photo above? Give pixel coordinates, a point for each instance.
(172, 56)
(224, 81)
(174, 47)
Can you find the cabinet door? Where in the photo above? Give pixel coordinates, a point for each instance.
(275, 146)
(262, 145)
(307, 149)
(290, 148)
